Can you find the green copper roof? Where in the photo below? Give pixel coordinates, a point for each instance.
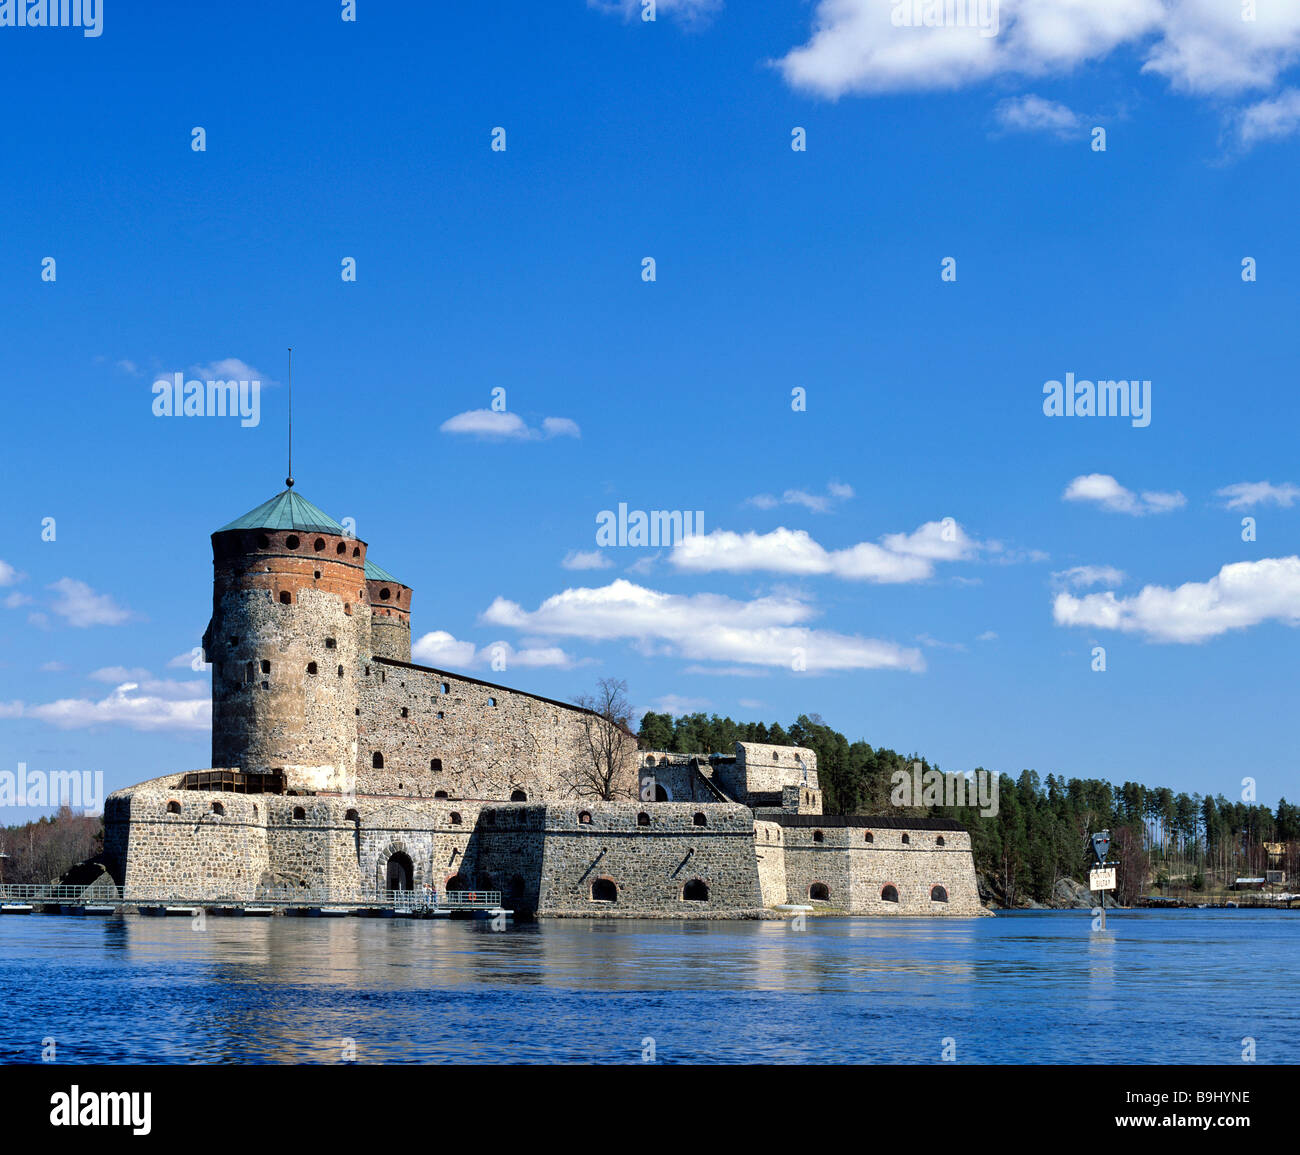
(378, 573)
(287, 510)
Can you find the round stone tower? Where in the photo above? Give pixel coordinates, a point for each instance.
(289, 621)
(390, 614)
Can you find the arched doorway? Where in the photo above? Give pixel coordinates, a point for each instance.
(400, 873)
(819, 892)
(662, 795)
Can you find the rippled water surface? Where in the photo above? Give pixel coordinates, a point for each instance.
(1155, 987)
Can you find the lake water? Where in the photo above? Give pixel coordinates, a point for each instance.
(1165, 987)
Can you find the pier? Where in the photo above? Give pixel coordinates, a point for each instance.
(100, 900)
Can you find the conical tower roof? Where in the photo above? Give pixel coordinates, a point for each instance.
(377, 573)
(287, 510)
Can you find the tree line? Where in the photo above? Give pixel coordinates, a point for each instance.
(43, 849)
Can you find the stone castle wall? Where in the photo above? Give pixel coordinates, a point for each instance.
(856, 871)
(765, 769)
(467, 738)
(650, 865)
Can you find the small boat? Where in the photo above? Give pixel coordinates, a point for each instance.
(16, 908)
(259, 910)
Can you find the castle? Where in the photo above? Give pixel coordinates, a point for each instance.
(341, 769)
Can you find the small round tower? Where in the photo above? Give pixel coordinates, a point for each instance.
(390, 614)
(289, 621)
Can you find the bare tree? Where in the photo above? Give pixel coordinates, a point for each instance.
(605, 767)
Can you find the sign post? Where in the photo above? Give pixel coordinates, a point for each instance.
(1101, 877)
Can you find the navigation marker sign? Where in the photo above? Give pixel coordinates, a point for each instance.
(1101, 845)
(1101, 878)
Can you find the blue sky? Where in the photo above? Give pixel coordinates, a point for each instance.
(775, 270)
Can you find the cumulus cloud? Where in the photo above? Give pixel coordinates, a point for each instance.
(1030, 113)
(8, 575)
(856, 46)
(817, 502)
(1272, 119)
(901, 557)
(1197, 46)
(586, 559)
(1082, 576)
(441, 649)
(159, 706)
(81, 606)
(767, 631)
(1103, 490)
(489, 424)
(988, 636)
(1239, 596)
(14, 600)
(1248, 494)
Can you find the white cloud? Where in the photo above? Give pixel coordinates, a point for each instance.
(1247, 494)
(11, 709)
(1082, 576)
(793, 551)
(1199, 46)
(118, 674)
(767, 631)
(52, 667)
(186, 707)
(902, 557)
(441, 649)
(1030, 113)
(227, 369)
(560, 427)
(1271, 119)
(492, 425)
(8, 575)
(1206, 47)
(530, 657)
(1240, 595)
(727, 671)
(988, 636)
(818, 503)
(14, 600)
(586, 559)
(1105, 491)
(185, 661)
(79, 605)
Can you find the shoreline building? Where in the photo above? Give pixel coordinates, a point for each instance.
(341, 769)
